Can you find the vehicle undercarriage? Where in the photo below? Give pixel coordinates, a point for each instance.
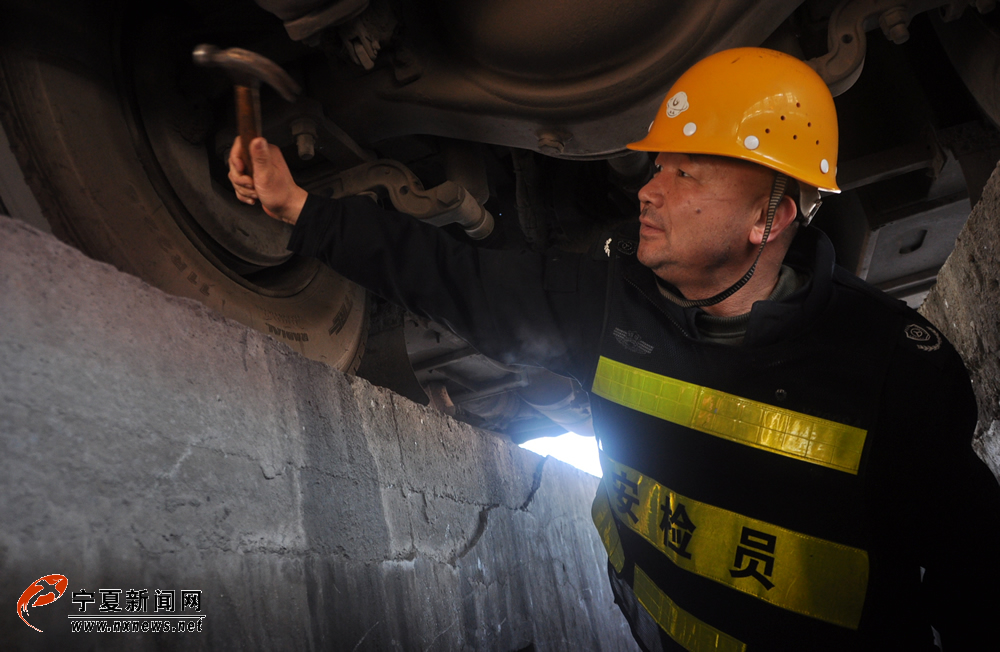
(524, 107)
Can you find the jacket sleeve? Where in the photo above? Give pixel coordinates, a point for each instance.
(962, 540)
(948, 500)
(518, 307)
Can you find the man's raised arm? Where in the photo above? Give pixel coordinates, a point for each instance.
(542, 309)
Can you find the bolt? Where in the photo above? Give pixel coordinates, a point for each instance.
(304, 132)
(361, 56)
(894, 24)
(449, 193)
(306, 144)
(550, 143)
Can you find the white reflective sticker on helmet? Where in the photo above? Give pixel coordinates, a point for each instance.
(690, 128)
(751, 142)
(677, 104)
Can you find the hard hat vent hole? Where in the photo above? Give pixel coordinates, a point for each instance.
(797, 105)
(809, 124)
(817, 142)
(782, 117)
(767, 131)
(847, 38)
(794, 137)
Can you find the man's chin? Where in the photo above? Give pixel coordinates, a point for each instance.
(653, 258)
(645, 253)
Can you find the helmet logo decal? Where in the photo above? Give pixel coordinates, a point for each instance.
(751, 142)
(824, 166)
(690, 128)
(677, 104)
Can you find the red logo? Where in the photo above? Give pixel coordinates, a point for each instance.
(44, 590)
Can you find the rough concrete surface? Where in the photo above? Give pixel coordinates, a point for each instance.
(148, 443)
(965, 305)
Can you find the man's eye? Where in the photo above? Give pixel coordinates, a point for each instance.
(682, 173)
(657, 169)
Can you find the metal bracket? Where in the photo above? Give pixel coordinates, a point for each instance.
(336, 13)
(284, 123)
(847, 41)
(448, 203)
(360, 45)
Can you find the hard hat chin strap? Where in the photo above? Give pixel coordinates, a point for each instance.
(777, 193)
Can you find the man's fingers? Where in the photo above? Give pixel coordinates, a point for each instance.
(259, 153)
(247, 196)
(240, 180)
(242, 183)
(271, 176)
(236, 156)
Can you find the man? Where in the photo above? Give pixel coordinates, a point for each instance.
(786, 451)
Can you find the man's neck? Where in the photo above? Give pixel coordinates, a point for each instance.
(732, 329)
(758, 288)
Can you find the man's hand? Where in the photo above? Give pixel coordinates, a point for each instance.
(272, 182)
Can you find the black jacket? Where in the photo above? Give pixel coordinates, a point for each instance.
(837, 351)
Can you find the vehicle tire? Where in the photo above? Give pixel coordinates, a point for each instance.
(89, 152)
(973, 45)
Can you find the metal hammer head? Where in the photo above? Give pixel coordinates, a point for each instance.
(248, 69)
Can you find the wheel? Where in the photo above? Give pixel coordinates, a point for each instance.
(124, 163)
(973, 45)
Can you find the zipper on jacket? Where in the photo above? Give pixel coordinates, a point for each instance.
(658, 307)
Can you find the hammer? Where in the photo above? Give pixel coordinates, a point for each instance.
(248, 70)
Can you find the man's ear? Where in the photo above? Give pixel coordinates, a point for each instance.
(784, 217)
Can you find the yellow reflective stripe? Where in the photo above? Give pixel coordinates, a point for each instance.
(740, 420)
(794, 571)
(600, 511)
(690, 633)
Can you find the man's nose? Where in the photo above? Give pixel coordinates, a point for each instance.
(650, 194)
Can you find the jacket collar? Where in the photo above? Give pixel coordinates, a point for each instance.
(770, 321)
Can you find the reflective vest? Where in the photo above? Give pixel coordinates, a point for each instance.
(733, 500)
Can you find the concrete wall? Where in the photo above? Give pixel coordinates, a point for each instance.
(146, 442)
(965, 305)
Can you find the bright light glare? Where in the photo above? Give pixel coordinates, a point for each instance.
(571, 448)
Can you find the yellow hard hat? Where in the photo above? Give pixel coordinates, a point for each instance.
(754, 104)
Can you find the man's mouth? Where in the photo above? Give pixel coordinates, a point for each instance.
(648, 227)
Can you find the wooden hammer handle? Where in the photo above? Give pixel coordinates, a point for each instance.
(247, 120)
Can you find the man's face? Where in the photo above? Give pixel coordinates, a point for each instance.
(697, 215)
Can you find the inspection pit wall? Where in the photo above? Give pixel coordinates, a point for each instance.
(965, 305)
(149, 443)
